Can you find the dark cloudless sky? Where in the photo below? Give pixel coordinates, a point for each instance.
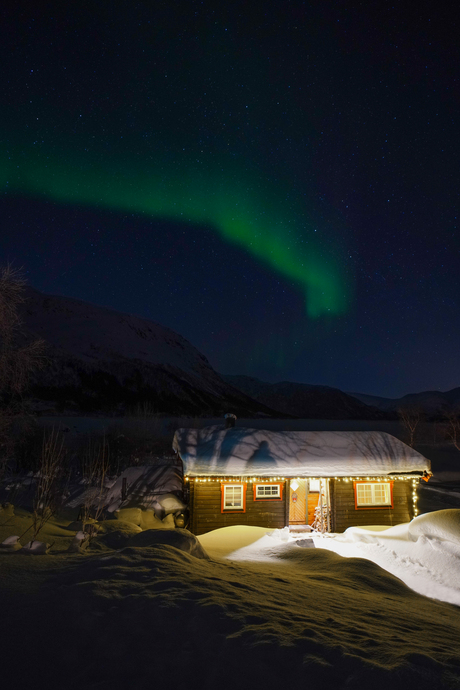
(276, 181)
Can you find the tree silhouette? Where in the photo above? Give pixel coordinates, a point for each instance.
(410, 417)
(19, 355)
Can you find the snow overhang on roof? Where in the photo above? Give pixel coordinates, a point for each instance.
(216, 451)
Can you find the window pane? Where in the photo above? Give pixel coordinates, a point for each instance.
(233, 496)
(373, 494)
(268, 491)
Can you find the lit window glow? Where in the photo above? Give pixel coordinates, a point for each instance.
(368, 494)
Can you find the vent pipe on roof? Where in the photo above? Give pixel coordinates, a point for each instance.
(230, 420)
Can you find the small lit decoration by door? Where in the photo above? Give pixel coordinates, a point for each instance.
(294, 497)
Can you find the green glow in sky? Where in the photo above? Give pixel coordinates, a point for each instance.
(239, 207)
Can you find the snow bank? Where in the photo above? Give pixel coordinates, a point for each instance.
(146, 519)
(116, 533)
(424, 554)
(222, 542)
(443, 524)
(179, 538)
(152, 613)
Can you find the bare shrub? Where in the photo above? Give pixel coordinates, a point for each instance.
(51, 479)
(144, 410)
(411, 418)
(453, 426)
(19, 357)
(94, 468)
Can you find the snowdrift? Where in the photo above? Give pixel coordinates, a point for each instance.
(261, 611)
(425, 553)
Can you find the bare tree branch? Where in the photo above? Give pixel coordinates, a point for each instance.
(95, 465)
(411, 417)
(18, 358)
(50, 482)
(453, 426)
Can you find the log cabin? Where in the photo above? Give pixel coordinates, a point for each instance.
(324, 480)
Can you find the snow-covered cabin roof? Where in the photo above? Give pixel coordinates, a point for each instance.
(217, 451)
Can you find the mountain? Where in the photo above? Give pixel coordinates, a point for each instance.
(305, 401)
(433, 403)
(103, 360)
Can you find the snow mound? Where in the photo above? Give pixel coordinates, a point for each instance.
(424, 554)
(6, 510)
(35, 548)
(270, 546)
(133, 515)
(443, 524)
(369, 533)
(181, 539)
(78, 526)
(219, 543)
(145, 519)
(170, 503)
(79, 543)
(116, 533)
(11, 544)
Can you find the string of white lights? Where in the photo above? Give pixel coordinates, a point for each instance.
(267, 480)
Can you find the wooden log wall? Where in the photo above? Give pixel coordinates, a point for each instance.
(206, 515)
(344, 513)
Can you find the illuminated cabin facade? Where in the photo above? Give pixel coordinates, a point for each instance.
(328, 480)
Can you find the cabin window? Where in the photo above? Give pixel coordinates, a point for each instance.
(233, 497)
(373, 494)
(268, 492)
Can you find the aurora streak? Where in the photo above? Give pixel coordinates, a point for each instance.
(230, 202)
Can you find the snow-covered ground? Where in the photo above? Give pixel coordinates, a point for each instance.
(237, 608)
(424, 554)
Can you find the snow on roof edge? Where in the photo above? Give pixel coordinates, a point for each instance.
(217, 451)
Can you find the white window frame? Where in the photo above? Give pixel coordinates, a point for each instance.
(268, 497)
(226, 488)
(387, 503)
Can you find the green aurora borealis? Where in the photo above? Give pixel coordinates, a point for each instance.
(243, 209)
(277, 182)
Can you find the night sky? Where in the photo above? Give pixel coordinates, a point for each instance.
(276, 181)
